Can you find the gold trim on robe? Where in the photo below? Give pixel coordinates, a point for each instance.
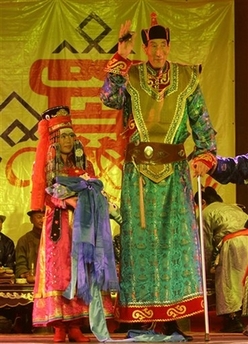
(158, 103)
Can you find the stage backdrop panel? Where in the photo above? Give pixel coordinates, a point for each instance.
(53, 52)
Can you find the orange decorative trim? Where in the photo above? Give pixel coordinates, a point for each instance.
(118, 65)
(241, 232)
(170, 312)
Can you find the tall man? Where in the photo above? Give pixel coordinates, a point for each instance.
(160, 275)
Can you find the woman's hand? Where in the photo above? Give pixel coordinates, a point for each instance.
(72, 201)
(85, 176)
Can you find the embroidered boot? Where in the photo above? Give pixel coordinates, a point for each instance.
(75, 335)
(59, 334)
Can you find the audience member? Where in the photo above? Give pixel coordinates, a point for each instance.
(26, 257)
(7, 267)
(7, 248)
(27, 247)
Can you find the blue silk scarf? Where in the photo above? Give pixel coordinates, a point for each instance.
(92, 248)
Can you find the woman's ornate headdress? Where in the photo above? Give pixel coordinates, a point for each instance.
(53, 120)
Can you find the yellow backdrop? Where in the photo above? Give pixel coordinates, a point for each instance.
(53, 52)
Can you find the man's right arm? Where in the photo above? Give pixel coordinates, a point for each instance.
(113, 92)
(231, 170)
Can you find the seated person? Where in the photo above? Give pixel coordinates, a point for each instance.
(7, 266)
(7, 248)
(26, 257)
(27, 247)
(226, 254)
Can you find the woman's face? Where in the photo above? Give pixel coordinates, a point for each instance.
(66, 140)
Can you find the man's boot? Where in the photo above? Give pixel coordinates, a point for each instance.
(171, 327)
(232, 323)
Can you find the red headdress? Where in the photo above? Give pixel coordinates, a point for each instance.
(52, 121)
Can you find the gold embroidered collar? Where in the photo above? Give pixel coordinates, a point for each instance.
(158, 79)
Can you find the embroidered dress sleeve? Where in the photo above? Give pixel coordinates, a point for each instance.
(231, 170)
(202, 129)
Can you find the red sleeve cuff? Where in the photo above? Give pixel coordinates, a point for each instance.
(207, 159)
(118, 65)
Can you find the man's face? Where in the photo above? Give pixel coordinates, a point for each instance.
(66, 140)
(157, 51)
(37, 220)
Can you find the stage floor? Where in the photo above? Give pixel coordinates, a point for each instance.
(199, 337)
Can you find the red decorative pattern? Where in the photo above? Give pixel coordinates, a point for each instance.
(118, 65)
(160, 312)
